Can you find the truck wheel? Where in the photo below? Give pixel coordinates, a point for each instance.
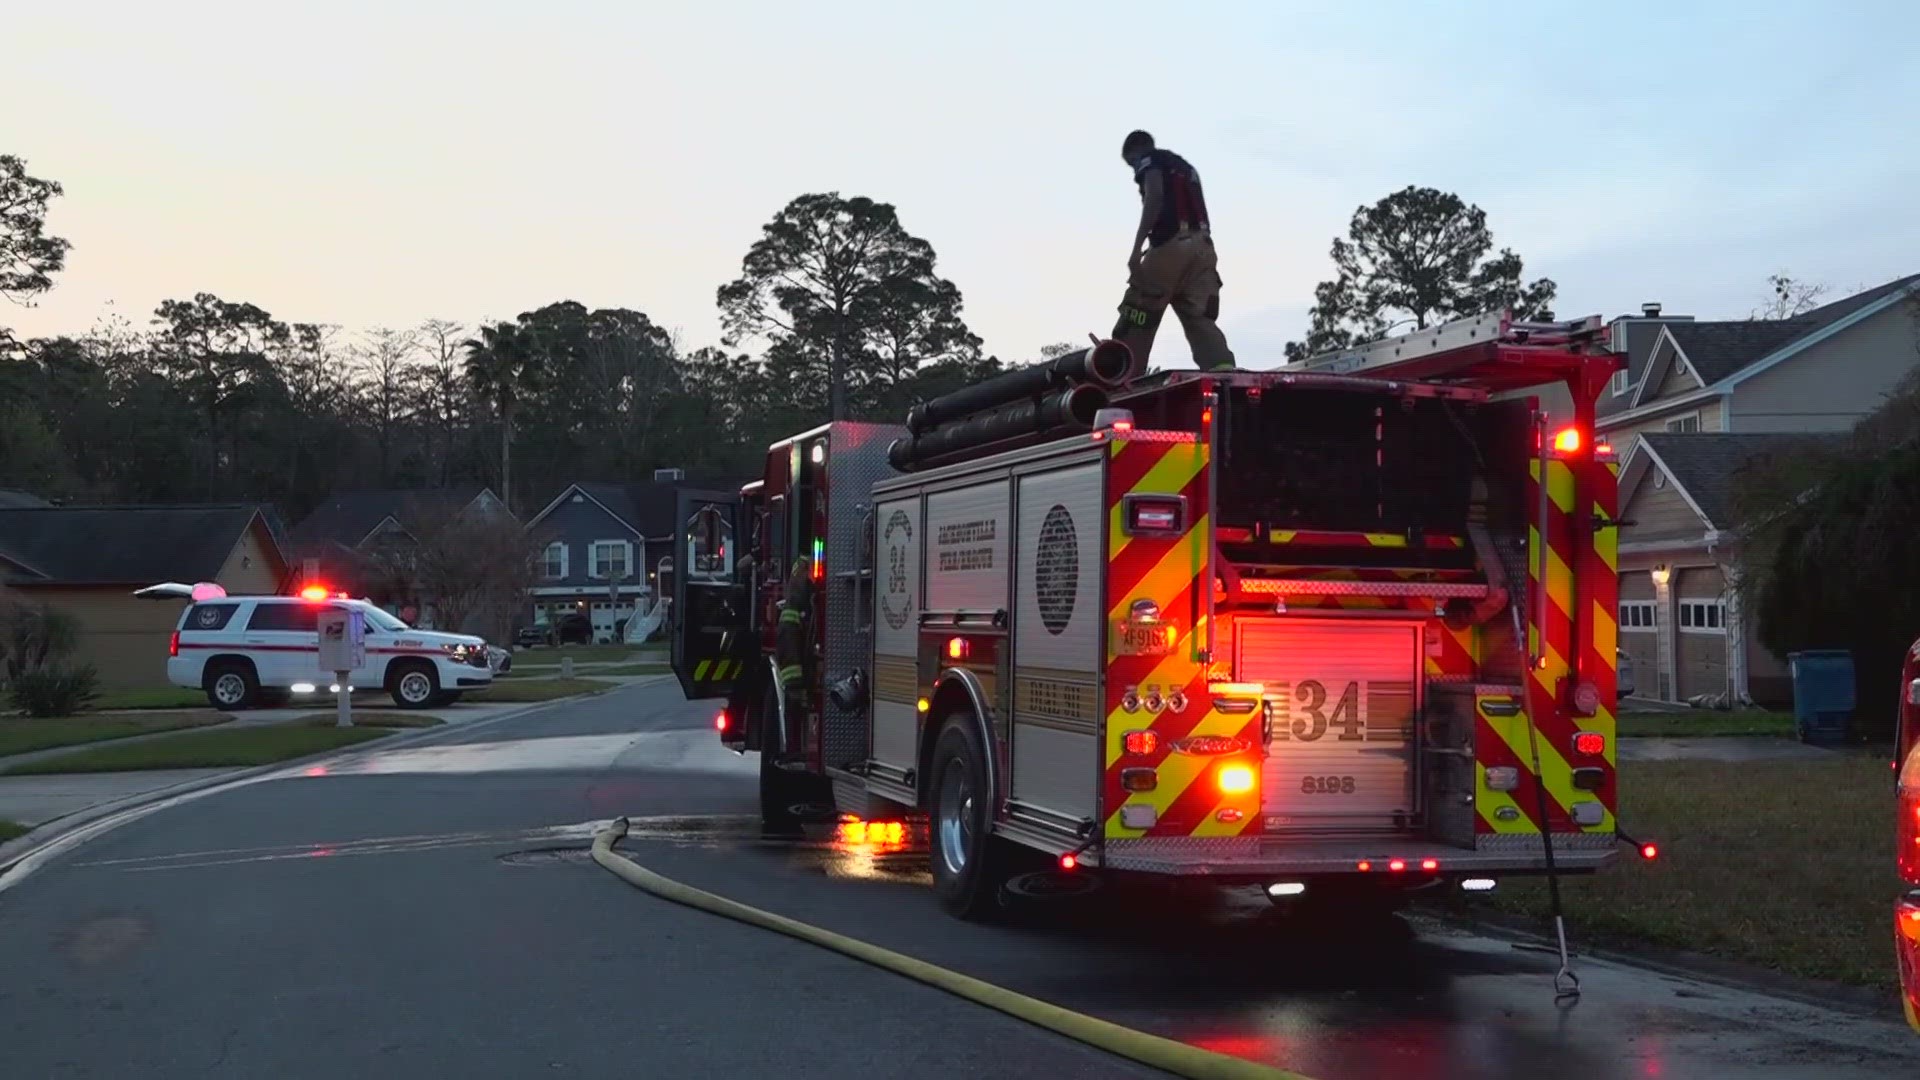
(779, 789)
(970, 864)
(414, 685)
(231, 685)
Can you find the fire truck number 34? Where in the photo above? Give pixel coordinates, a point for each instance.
(1309, 717)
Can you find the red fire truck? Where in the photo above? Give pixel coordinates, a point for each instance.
(1906, 919)
(1344, 628)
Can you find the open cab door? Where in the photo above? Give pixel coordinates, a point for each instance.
(708, 617)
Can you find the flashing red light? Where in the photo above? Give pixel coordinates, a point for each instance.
(720, 721)
(1567, 440)
(314, 593)
(1589, 743)
(1236, 779)
(1206, 416)
(1122, 426)
(1429, 865)
(1141, 743)
(1068, 861)
(173, 643)
(1649, 851)
(1365, 866)
(957, 648)
(1397, 865)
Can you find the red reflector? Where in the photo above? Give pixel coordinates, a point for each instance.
(957, 648)
(1142, 742)
(1649, 851)
(1567, 440)
(173, 644)
(1590, 743)
(1430, 865)
(1397, 865)
(1068, 862)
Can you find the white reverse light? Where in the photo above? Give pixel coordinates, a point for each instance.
(1478, 884)
(1286, 888)
(303, 688)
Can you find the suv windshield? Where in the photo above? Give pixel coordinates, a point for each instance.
(383, 620)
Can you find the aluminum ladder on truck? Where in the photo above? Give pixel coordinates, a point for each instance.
(1493, 350)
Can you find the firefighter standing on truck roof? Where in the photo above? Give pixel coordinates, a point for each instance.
(1178, 269)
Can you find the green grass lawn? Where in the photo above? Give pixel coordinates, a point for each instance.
(20, 734)
(631, 669)
(221, 748)
(534, 690)
(1785, 865)
(585, 654)
(11, 829)
(1706, 723)
(148, 697)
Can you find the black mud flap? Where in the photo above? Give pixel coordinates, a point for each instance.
(711, 626)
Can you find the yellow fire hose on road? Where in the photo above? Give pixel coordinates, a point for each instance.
(1174, 1057)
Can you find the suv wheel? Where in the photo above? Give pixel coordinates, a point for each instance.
(414, 685)
(231, 685)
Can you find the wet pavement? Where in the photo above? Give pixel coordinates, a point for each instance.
(429, 911)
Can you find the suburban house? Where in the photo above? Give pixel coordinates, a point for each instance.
(606, 544)
(87, 561)
(336, 540)
(1711, 399)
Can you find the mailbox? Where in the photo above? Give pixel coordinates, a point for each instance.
(343, 638)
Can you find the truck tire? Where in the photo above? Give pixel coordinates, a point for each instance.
(970, 864)
(780, 790)
(413, 684)
(231, 685)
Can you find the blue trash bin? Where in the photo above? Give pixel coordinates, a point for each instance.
(1822, 695)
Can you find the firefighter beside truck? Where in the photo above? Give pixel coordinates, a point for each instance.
(1344, 629)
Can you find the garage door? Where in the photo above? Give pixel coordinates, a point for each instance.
(1639, 631)
(1700, 630)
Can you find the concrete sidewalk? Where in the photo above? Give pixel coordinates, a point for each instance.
(39, 798)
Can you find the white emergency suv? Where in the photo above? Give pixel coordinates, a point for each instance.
(246, 651)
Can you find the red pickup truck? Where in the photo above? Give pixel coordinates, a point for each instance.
(1906, 919)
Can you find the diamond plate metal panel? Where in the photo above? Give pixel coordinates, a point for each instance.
(1309, 587)
(856, 460)
(1257, 858)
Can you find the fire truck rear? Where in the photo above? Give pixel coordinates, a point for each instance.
(1344, 629)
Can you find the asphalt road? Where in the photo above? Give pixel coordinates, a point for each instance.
(428, 911)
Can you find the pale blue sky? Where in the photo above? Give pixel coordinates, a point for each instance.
(362, 163)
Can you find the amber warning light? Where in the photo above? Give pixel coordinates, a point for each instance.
(1567, 440)
(314, 592)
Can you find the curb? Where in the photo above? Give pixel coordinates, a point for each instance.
(49, 833)
(1747, 977)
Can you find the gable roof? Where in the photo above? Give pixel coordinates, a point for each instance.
(1706, 465)
(350, 517)
(1719, 351)
(123, 545)
(647, 509)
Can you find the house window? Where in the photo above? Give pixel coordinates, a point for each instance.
(1703, 616)
(1619, 383)
(612, 558)
(1636, 615)
(553, 561)
(1684, 424)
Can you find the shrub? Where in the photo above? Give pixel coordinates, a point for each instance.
(54, 692)
(34, 638)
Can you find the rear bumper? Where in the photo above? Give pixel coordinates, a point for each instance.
(1257, 858)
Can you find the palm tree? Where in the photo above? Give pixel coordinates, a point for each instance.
(501, 369)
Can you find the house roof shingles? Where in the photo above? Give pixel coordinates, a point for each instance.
(347, 517)
(122, 545)
(1707, 464)
(1719, 350)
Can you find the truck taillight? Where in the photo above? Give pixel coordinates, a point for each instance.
(1141, 743)
(1908, 841)
(1567, 440)
(1236, 779)
(1589, 743)
(958, 649)
(720, 721)
(173, 643)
